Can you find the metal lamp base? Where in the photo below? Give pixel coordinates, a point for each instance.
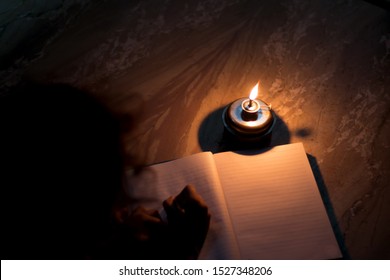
(254, 132)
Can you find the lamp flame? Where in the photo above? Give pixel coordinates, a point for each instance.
(254, 92)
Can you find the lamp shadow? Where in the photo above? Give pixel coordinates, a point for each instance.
(214, 138)
(328, 205)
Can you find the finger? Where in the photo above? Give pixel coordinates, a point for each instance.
(168, 203)
(121, 214)
(145, 215)
(153, 213)
(189, 193)
(186, 193)
(175, 213)
(189, 199)
(169, 207)
(140, 210)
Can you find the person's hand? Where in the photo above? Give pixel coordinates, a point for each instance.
(143, 235)
(139, 235)
(144, 223)
(188, 221)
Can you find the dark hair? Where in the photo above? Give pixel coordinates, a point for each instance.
(61, 169)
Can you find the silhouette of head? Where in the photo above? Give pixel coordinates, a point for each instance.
(61, 171)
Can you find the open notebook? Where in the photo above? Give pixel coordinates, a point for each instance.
(264, 205)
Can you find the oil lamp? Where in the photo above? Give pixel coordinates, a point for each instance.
(249, 119)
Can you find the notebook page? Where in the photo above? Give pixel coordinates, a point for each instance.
(157, 182)
(275, 206)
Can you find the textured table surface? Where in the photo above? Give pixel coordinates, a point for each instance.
(171, 66)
